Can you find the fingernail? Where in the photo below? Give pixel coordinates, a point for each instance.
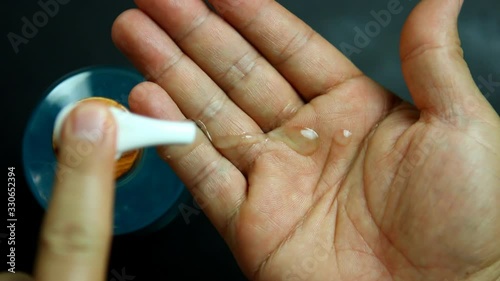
(89, 122)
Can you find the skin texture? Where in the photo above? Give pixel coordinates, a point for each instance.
(413, 194)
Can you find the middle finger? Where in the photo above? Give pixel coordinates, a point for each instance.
(232, 62)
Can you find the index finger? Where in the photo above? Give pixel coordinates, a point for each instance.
(77, 230)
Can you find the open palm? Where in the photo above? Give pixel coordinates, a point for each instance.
(384, 191)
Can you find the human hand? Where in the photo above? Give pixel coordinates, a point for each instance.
(388, 191)
(77, 229)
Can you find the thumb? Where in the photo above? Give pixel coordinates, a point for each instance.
(87, 145)
(77, 229)
(435, 71)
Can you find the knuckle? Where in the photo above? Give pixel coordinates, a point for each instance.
(294, 45)
(70, 238)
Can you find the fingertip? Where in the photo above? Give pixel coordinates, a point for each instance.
(139, 94)
(431, 23)
(88, 137)
(91, 122)
(151, 100)
(121, 25)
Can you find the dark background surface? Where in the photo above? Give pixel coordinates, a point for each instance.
(79, 36)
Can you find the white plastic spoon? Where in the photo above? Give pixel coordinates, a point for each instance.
(136, 131)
